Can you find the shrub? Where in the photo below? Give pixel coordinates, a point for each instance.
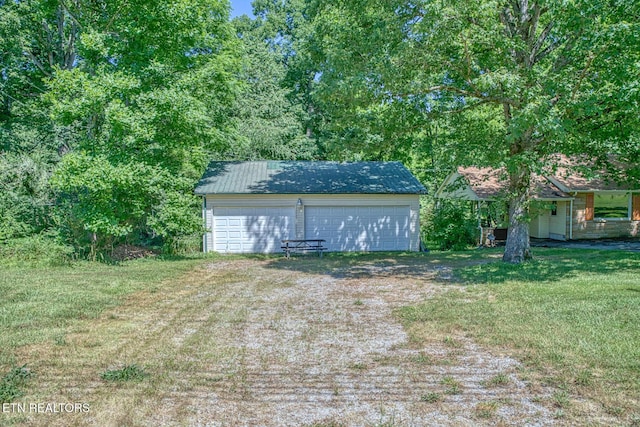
(450, 225)
(183, 245)
(40, 249)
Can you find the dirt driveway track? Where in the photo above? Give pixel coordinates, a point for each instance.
(301, 342)
(304, 348)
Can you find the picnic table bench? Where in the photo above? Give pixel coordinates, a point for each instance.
(303, 245)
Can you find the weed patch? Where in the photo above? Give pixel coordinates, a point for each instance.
(486, 409)
(500, 379)
(431, 397)
(12, 383)
(453, 386)
(126, 373)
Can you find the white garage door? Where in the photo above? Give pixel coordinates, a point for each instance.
(362, 228)
(251, 230)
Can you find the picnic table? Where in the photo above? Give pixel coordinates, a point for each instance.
(303, 245)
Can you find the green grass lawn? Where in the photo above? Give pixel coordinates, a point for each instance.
(41, 303)
(573, 317)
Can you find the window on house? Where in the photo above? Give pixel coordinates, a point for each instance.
(554, 208)
(613, 205)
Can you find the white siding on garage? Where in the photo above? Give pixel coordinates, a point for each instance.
(393, 224)
(251, 229)
(360, 228)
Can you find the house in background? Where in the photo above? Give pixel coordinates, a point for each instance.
(568, 206)
(249, 207)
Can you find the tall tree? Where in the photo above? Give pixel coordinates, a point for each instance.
(150, 98)
(271, 121)
(131, 97)
(36, 39)
(285, 25)
(518, 80)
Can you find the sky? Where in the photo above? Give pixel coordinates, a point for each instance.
(241, 7)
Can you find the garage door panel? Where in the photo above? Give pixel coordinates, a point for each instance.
(367, 228)
(252, 230)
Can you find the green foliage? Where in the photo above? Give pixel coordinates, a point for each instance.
(38, 249)
(450, 225)
(270, 118)
(100, 197)
(513, 82)
(431, 397)
(25, 196)
(12, 382)
(104, 203)
(124, 113)
(126, 373)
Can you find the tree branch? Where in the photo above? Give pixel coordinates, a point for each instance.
(534, 57)
(474, 94)
(71, 15)
(582, 75)
(37, 63)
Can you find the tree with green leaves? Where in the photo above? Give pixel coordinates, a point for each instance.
(129, 99)
(36, 39)
(270, 119)
(151, 104)
(286, 27)
(516, 81)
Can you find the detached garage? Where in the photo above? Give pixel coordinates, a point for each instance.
(249, 207)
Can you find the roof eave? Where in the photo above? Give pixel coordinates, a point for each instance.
(415, 193)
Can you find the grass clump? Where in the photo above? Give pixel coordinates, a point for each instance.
(486, 409)
(453, 386)
(497, 380)
(422, 358)
(12, 382)
(359, 366)
(126, 373)
(431, 397)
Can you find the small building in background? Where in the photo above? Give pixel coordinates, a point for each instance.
(566, 205)
(250, 207)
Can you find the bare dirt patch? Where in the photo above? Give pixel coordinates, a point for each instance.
(127, 252)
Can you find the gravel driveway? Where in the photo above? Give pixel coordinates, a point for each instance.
(323, 348)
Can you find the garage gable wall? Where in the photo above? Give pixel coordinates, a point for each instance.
(366, 204)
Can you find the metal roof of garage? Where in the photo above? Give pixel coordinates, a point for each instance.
(308, 177)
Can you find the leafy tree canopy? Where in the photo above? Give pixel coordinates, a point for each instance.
(516, 81)
(132, 96)
(270, 118)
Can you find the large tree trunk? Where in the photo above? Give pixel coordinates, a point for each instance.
(517, 248)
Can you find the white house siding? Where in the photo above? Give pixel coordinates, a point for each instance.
(405, 210)
(558, 222)
(539, 226)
